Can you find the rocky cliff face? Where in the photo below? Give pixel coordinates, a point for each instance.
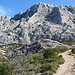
(40, 21)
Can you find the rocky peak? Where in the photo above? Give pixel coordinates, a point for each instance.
(28, 13)
(32, 10)
(56, 14)
(5, 17)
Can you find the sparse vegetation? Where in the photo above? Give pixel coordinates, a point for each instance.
(5, 31)
(49, 53)
(16, 32)
(47, 62)
(43, 63)
(10, 46)
(5, 69)
(62, 49)
(67, 42)
(2, 60)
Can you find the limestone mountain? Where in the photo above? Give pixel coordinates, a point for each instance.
(40, 21)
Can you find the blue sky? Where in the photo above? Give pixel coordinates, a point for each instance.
(12, 7)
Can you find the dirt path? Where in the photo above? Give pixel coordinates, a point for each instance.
(68, 68)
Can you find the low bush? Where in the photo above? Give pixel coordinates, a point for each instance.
(60, 60)
(46, 67)
(51, 61)
(62, 49)
(67, 42)
(49, 53)
(36, 58)
(5, 69)
(10, 46)
(3, 60)
(73, 50)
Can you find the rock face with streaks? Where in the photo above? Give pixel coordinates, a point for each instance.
(40, 21)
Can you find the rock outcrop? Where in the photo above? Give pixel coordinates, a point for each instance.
(40, 21)
(37, 46)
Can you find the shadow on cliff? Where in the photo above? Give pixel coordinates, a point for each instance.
(54, 16)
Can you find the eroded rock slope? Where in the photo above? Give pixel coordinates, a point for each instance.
(40, 21)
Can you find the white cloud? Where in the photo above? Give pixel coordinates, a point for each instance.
(5, 11)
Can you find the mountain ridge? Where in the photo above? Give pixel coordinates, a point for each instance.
(40, 21)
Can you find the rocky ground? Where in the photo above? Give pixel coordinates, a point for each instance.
(68, 68)
(36, 46)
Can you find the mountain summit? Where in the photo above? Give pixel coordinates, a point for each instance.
(40, 21)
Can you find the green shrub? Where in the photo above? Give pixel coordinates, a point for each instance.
(34, 60)
(3, 60)
(49, 53)
(8, 47)
(49, 60)
(47, 73)
(41, 61)
(5, 69)
(46, 67)
(49, 67)
(62, 49)
(73, 50)
(67, 42)
(60, 56)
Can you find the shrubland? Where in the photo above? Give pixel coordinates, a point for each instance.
(45, 62)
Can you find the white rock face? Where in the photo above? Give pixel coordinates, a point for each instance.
(40, 21)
